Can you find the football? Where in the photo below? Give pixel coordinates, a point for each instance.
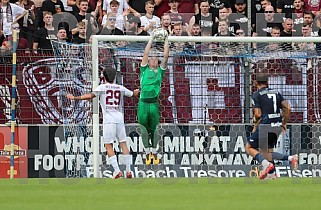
(160, 34)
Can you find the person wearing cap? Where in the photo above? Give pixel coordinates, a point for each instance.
(134, 26)
(111, 102)
(240, 7)
(271, 114)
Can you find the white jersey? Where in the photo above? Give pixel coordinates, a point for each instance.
(16, 10)
(145, 21)
(111, 101)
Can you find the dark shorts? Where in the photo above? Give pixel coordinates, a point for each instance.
(269, 137)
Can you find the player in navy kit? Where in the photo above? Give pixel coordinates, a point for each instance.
(271, 113)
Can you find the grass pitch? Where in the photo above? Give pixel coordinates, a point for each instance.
(171, 193)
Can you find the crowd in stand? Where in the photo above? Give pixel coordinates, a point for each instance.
(74, 21)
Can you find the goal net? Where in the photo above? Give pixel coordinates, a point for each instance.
(205, 103)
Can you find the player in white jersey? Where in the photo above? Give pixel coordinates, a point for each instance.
(110, 98)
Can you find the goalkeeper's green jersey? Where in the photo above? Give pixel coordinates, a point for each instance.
(150, 82)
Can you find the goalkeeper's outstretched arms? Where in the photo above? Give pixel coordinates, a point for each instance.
(147, 50)
(82, 97)
(164, 63)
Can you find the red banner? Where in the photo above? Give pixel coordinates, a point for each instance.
(20, 151)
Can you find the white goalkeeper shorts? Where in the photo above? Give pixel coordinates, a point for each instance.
(114, 132)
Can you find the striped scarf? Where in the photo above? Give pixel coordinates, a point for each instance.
(8, 14)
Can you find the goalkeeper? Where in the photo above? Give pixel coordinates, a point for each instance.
(151, 76)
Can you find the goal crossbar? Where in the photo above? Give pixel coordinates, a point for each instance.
(207, 39)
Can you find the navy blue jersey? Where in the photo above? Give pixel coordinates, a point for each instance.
(269, 101)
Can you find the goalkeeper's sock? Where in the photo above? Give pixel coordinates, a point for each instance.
(114, 163)
(127, 162)
(147, 151)
(154, 151)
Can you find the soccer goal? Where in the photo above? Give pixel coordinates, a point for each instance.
(205, 102)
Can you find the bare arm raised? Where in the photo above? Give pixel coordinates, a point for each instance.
(164, 63)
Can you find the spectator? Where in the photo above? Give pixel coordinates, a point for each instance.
(10, 13)
(161, 6)
(150, 21)
(44, 35)
(178, 31)
(224, 15)
(188, 6)
(258, 8)
(177, 17)
(239, 18)
(80, 38)
(308, 17)
(314, 6)
(226, 48)
(114, 8)
(205, 19)
(166, 23)
(240, 32)
(92, 27)
(240, 47)
(7, 43)
(27, 23)
(83, 10)
(196, 30)
(267, 21)
(287, 27)
(137, 7)
(240, 7)
(215, 5)
(134, 27)
(265, 24)
(62, 35)
(76, 7)
(223, 29)
(304, 46)
(287, 32)
(96, 5)
(121, 9)
(274, 46)
(67, 20)
(67, 7)
(52, 6)
(1, 36)
(286, 7)
(109, 28)
(297, 17)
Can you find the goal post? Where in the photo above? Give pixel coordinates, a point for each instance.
(205, 96)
